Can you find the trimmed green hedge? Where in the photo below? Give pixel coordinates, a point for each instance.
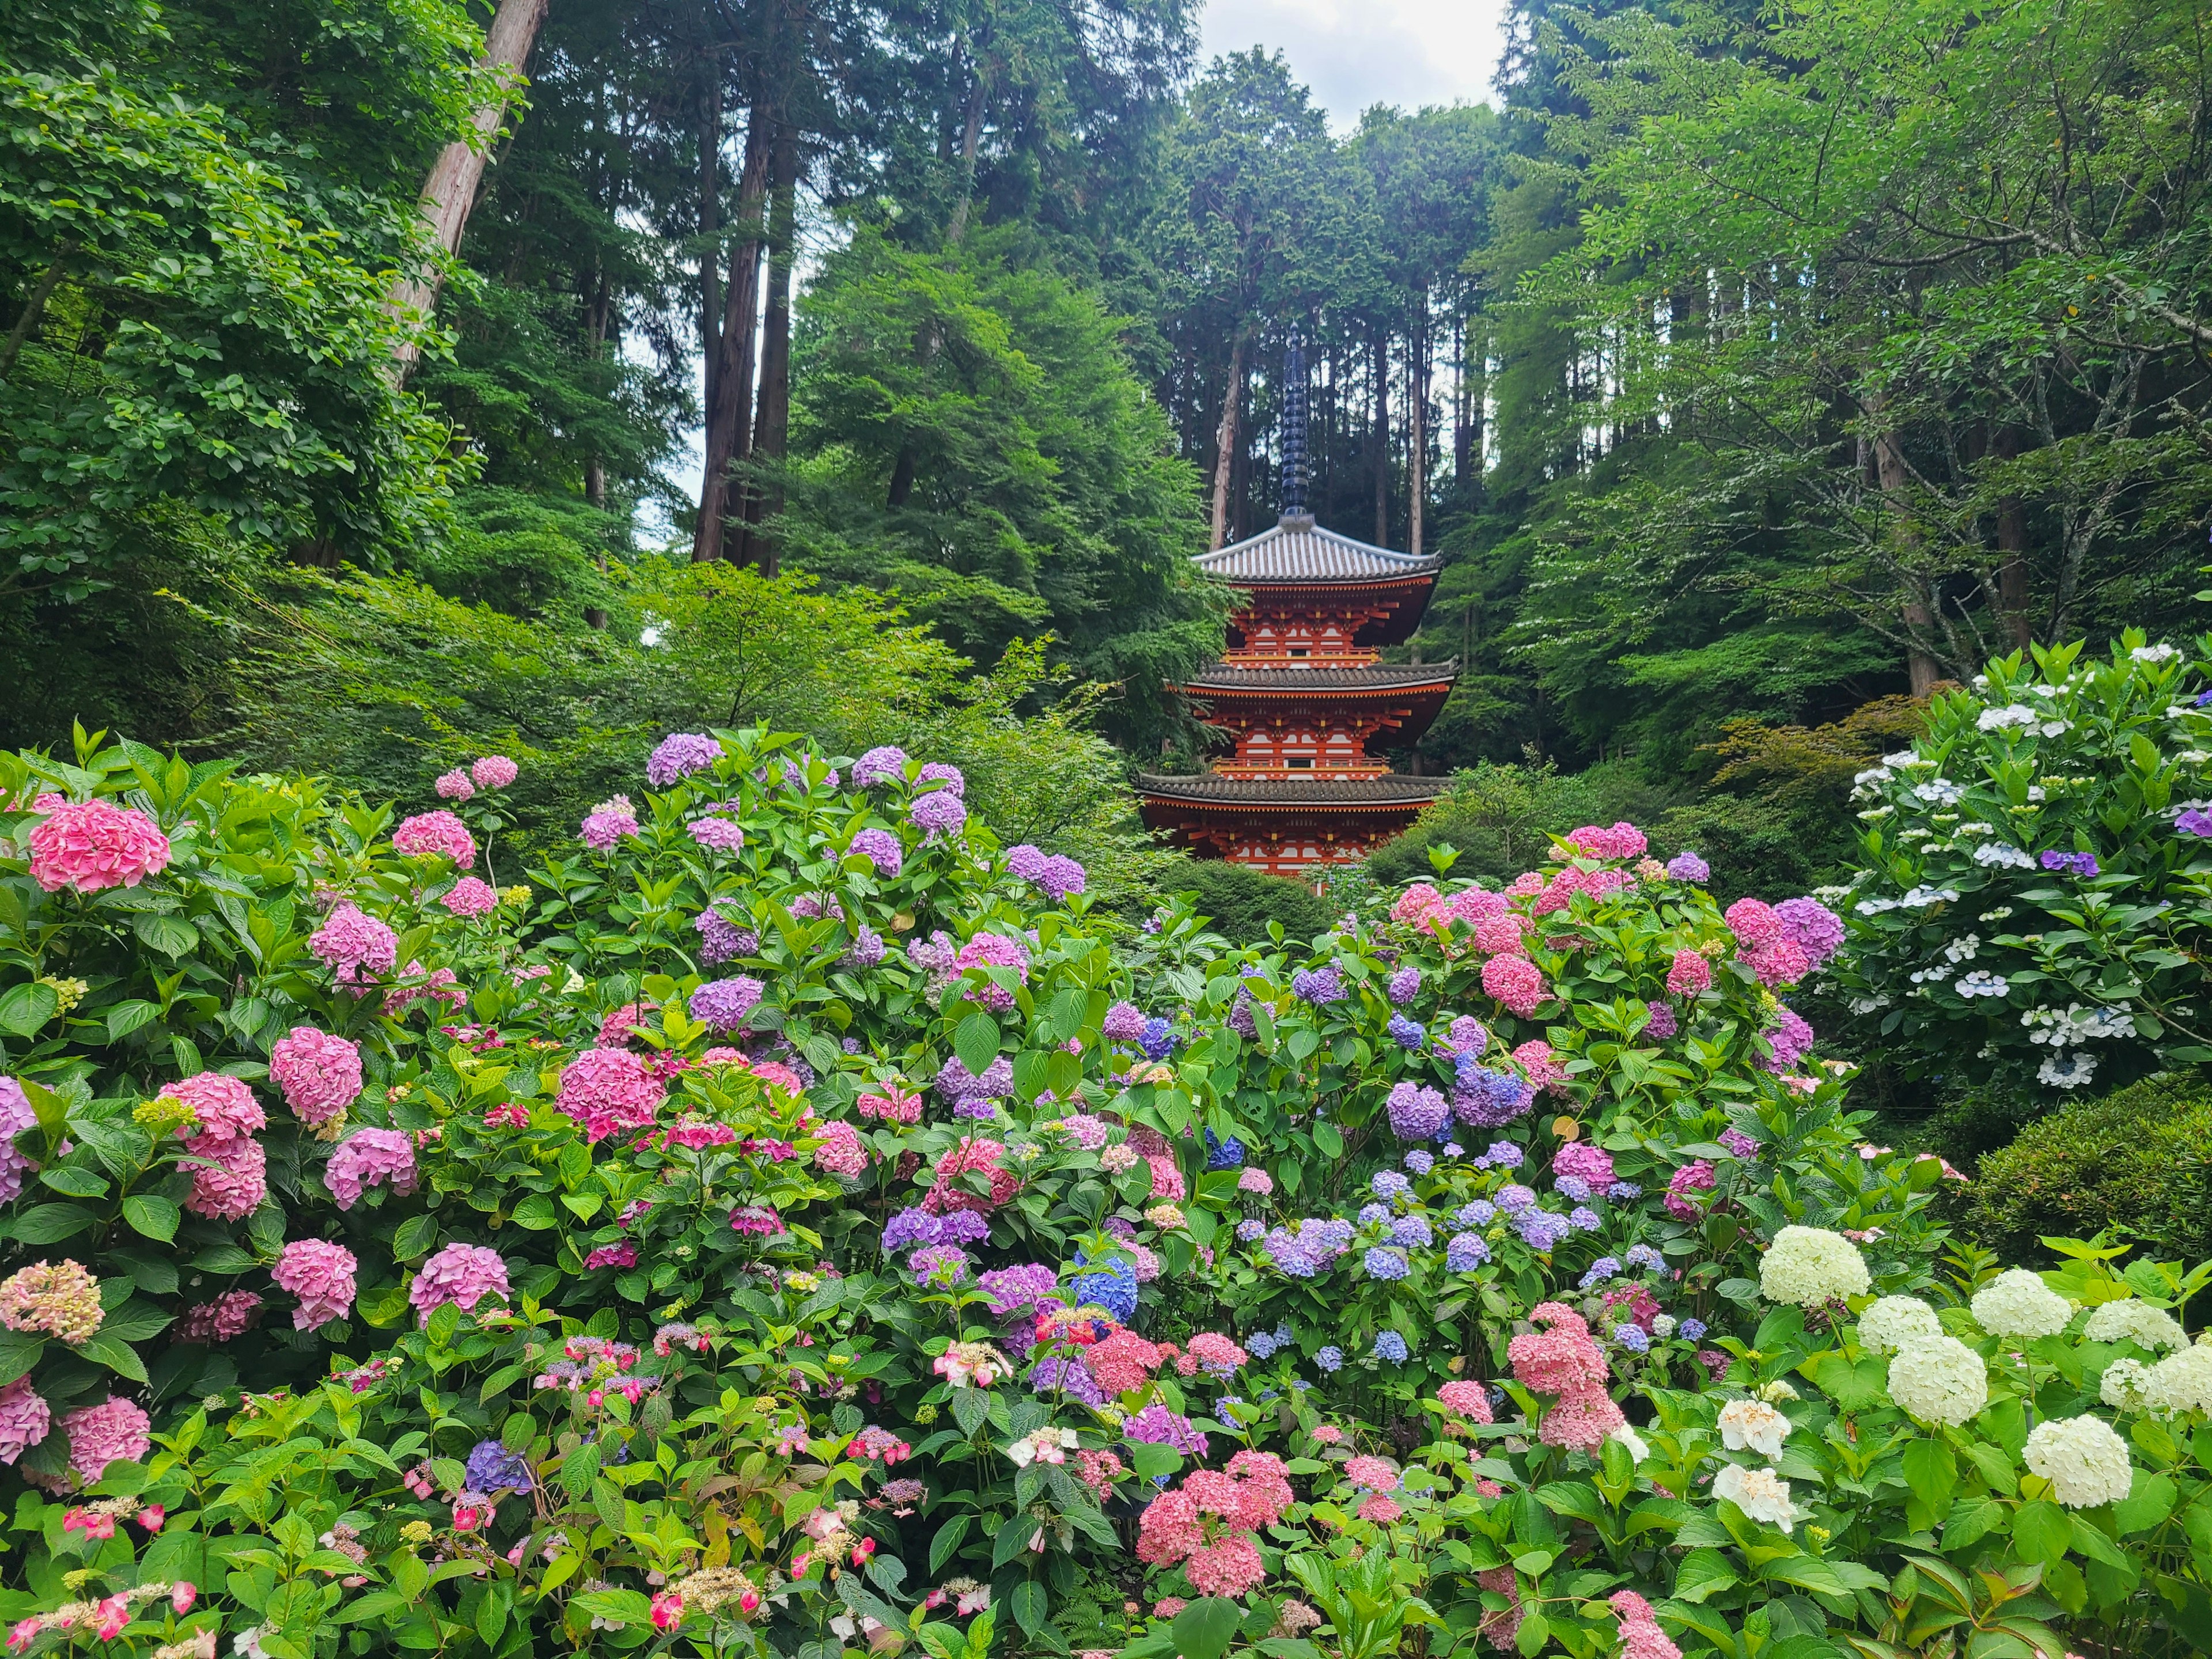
(1242, 901)
(2137, 1160)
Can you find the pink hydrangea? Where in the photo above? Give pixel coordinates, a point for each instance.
(366, 1158)
(1585, 1161)
(1504, 933)
(841, 1151)
(1477, 905)
(1534, 1058)
(608, 822)
(17, 1117)
(436, 835)
(1690, 974)
(1640, 1635)
(1752, 921)
(1468, 1399)
(455, 785)
(460, 1273)
(494, 772)
(93, 845)
(320, 1273)
(1416, 903)
(1582, 1423)
(1560, 1358)
(1254, 1179)
(223, 1109)
(604, 1090)
(1623, 840)
(623, 1255)
(1381, 1509)
(354, 943)
(1778, 962)
(993, 950)
(892, 1103)
(616, 1030)
(1515, 982)
(62, 1301)
(114, 1431)
(229, 1177)
(438, 985)
(230, 1315)
(1213, 1353)
(319, 1074)
(25, 1418)
(1375, 1474)
(1691, 1178)
(471, 896)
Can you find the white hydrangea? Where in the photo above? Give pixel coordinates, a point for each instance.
(1982, 983)
(1662, 1325)
(1753, 1426)
(1941, 1381)
(2086, 1463)
(2017, 1303)
(1758, 1492)
(2136, 1321)
(2068, 1071)
(1631, 1443)
(2180, 1382)
(2011, 715)
(2121, 1387)
(1896, 1322)
(2152, 653)
(1809, 1265)
(1963, 948)
(2002, 855)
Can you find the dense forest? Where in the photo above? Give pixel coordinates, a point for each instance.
(1752, 370)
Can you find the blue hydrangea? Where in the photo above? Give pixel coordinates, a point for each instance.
(1573, 1188)
(1408, 1033)
(1389, 1184)
(1585, 1219)
(1621, 1191)
(1513, 1197)
(1604, 1267)
(1325, 986)
(492, 1468)
(1159, 1038)
(1282, 1333)
(1383, 1263)
(1260, 1345)
(1330, 1358)
(1392, 1346)
(1692, 1330)
(1643, 1256)
(1465, 1253)
(1542, 1230)
(1112, 1284)
(1502, 1155)
(1249, 1229)
(1412, 1230)
(1480, 1213)
(1421, 1163)
(1224, 1154)
(1374, 1215)
(1632, 1338)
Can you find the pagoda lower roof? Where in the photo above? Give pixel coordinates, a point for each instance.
(1211, 789)
(1291, 679)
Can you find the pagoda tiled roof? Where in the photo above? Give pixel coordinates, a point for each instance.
(1288, 679)
(1211, 789)
(1299, 552)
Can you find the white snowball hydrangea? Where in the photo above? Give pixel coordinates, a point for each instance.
(2086, 1463)
(1941, 1380)
(1754, 1426)
(2180, 1382)
(1809, 1265)
(2135, 1322)
(2121, 1386)
(1895, 1323)
(2017, 1303)
(1758, 1492)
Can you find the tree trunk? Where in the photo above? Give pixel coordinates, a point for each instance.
(451, 191)
(2012, 544)
(772, 428)
(1417, 435)
(1380, 437)
(1889, 472)
(729, 417)
(1224, 439)
(710, 225)
(971, 134)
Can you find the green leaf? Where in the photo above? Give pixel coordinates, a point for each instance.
(124, 1018)
(536, 1212)
(1703, 1572)
(2041, 1530)
(26, 1007)
(417, 1235)
(153, 1215)
(173, 936)
(1329, 1139)
(949, 1537)
(976, 1041)
(1932, 1471)
(1205, 1629)
(49, 1223)
(1150, 1459)
(2150, 1500)
(113, 1352)
(970, 1407)
(1031, 1605)
(1854, 1385)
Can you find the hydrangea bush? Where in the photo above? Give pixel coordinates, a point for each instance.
(2037, 881)
(791, 1222)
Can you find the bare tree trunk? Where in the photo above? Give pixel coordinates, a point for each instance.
(772, 427)
(729, 417)
(1381, 437)
(1920, 664)
(971, 134)
(2012, 545)
(1224, 439)
(710, 215)
(1417, 434)
(449, 191)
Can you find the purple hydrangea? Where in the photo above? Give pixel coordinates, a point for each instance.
(1067, 1377)
(886, 764)
(1391, 1347)
(1240, 1014)
(1643, 1256)
(718, 834)
(880, 848)
(1634, 1338)
(1542, 1230)
(1513, 1197)
(1484, 1099)
(1468, 1036)
(1011, 1289)
(2194, 822)
(1465, 1253)
(2080, 864)
(1304, 1248)
(1688, 866)
(938, 772)
(938, 1264)
(957, 1083)
(1421, 1163)
(1403, 985)
(1789, 1037)
(1318, 986)
(1573, 1188)
(1739, 1144)
(1389, 1185)
(1412, 1232)
(1817, 930)
(1025, 863)
(962, 1227)
(1691, 1330)
(1063, 878)
(1663, 1024)
(1480, 1212)
(1250, 1228)
(1374, 1215)
(1124, 1023)
(1417, 1112)
(1330, 1358)
(1621, 1191)
(867, 948)
(1158, 1039)
(1158, 1426)
(492, 1468)
(939, 813)
(1407, 1034)
(911, 1227)
(1605, 1268)
(724, 1004)
(680, 755)
(1386, 1264)
(1502, 1155)
(1584, 1220)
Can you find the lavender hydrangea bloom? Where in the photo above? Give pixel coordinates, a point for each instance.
(1011, 1289)
(1502, 1155)
(1484, 1099)
(2193, 821)
(880, 848)
(1513, 1198)
(1663, 1024)
(1403, 986)
(1688, 866)
(1389, 1185)
(1387, 1264)
(867, 948)
(1374, 1215)
(1417, 1112)
(1465, 1253)
(1739, 1144)
(1124, 1023)
(1249, 1229)
(939, 812)
(1479, 1213)
(1789, 1037)
(1159, 1038)
(1303, 1251)
(938, 772)
(2080, 864)
(1643, 1256)
(724, 1004)
(1407, 1034)
(1390, 1346)
(1621, 1191)
(1412, 1230)
(938, 1264)
(492, 1468)
(957, 1083)
(1605, 1268)
(1063, 878)
(1318, 986)
(1156, 1425)
(1571, 1187)
(1468, 1036)
(1068, 1376)
(1240, 1015)
(1421, 1163)
(1542, 1230)
(1330, 1358)
(1634, 1338)
(1691, 1330)
(1584, 1220)
(910, 1227)
(679, 755)
(961, 1227)
(1818, 931)
(886, 764)
(718, 834)
(1026, 862)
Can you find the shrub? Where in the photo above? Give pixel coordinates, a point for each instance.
(2136, 1163)
(1238, 901)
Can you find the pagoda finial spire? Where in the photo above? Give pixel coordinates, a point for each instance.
(1295, 511)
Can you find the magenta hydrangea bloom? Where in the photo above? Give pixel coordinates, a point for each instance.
(1690, 974)
(679, 755)
(320, 1273)
(1063, 878)
(319, 1074)
(1661, 1024)
(354, 942)
(460, 1273)
(880, 848)
(25, 1419)
(1623, 840)
(1585, 1161)
(93, 845)
(718, 834)
(608, 822)
(725, 1003)
(1789, 1037)
(1688, 1182)
(471, 896)
(886, 764)
(1516, 982)
(494, 772)
(993, 950)
(939, 812)
(1124, 1023)
(369, 1158)
(230, 1177)
(113, 1431)
(435, 834)
(17, 1116)
(455, 785)
(604, 1090)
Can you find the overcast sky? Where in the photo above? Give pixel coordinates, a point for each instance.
(1357, 52)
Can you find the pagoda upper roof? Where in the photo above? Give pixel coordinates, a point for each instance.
(1298, 553)
(1392, 789)
(1291, 678)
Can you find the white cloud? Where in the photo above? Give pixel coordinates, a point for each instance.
(1357, 52)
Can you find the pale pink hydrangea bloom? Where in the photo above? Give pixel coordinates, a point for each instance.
(1753, 923)
(114, 1431)
(1640, 1635)
(841, 1151)
(494, 772)
(366, 1158)
(319, 1074)
(230, 1177)
(1468, 1399)
(223, 1108)
(1503, 934)
(1379, 1509)
(62, 1301)
(471, 896)
(455, 785)
(1623, 840)
(320, 1273)
(435, 834)
(1375, 1474)
(1254, 1179)
(93, 845)
(1415, 904)
(460, 1273)
(25, 1418)
(16, 1117)
(890, 1102)
(354, 944)
(604, 1090)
